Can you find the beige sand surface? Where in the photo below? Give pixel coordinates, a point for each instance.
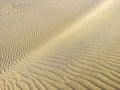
(59, 44)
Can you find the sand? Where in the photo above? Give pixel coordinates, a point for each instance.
(59, 45)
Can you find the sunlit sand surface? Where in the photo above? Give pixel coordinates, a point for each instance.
(59, 44)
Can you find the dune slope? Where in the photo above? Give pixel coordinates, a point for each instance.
(60, 45)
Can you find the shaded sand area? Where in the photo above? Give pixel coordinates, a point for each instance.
(59, 45)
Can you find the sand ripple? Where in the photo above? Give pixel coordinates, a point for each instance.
(59, 45)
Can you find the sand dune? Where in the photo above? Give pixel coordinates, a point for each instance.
(59, 45)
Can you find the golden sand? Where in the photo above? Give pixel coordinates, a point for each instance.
(59, 44)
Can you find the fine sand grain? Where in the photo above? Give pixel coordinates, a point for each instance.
(59, 44)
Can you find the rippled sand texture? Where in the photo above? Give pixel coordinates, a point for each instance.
(59, 44)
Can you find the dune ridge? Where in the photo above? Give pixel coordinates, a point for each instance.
(80, 54)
